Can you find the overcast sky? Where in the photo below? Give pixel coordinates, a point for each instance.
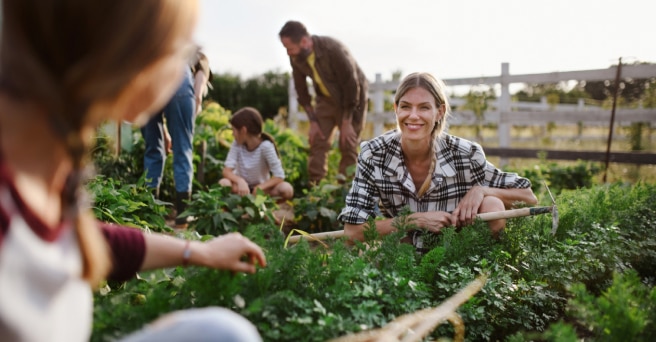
(451, 39)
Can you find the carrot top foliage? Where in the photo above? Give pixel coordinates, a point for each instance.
(540, 286)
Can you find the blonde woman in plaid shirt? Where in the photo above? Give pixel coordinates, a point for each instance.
(443, 179)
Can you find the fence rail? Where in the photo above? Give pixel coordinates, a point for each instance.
(505, 113)
(638, 158)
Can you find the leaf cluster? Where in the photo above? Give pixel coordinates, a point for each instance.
(126, 167)
(218, 211)
(130, 205)
(316, 210)
(560, 177)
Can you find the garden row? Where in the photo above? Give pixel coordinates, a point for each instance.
(594, 278)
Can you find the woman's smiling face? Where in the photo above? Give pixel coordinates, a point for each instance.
(417, 114)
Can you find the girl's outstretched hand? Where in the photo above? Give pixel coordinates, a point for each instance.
(232, 252)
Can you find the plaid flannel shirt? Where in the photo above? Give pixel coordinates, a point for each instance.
(381, 175)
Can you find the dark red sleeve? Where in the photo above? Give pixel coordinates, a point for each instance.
(4, 225)
(128, 249)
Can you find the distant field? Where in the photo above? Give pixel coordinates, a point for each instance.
(570, 138)
(566, 137)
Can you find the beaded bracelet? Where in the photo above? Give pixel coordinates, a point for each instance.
(186, 254)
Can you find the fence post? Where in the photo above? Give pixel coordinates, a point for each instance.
(378, 99)
(616, 93)
(292, 120)
(504, 109)
(126, 138)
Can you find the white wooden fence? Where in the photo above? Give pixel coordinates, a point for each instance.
(503, 111)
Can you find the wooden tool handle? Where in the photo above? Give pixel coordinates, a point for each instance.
(317, 236)
(514, 213)
(484, 216)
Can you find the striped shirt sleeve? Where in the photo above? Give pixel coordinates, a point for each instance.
(231, 159)
(272, 159)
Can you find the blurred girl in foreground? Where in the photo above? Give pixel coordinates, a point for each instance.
(65, 67)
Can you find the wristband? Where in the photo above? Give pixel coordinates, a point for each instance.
(186, 254)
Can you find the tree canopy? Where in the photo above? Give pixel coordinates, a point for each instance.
(266, 92)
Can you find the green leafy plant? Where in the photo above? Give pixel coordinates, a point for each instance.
(624, 311)
(317, 209)
(476, 100)
(127, 204)
(218, 211)
(212, 138)
(560, 177)
(571, 177)
(126, 167)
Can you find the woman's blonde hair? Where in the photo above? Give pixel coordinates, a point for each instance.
(68, 55)
(434, 86)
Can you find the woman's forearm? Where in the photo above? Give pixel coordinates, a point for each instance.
(230, 252)
(164, 251)
(356, 231)
(511, 196)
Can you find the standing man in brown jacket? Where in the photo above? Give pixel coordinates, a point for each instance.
(341, 95)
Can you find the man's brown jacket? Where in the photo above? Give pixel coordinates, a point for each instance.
(339, 72)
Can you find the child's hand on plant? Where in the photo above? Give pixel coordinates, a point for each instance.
(242, 187)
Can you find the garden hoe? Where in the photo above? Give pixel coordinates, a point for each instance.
(496, 215)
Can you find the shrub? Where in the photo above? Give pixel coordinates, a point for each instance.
(624, 311)
(559, 177)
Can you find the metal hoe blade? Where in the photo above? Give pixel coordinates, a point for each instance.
(554, 211)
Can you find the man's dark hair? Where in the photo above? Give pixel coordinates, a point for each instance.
(293, 30)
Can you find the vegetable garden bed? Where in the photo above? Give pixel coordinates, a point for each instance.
(540, 286)
(594, 279)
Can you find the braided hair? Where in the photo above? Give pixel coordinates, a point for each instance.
(73, 79)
